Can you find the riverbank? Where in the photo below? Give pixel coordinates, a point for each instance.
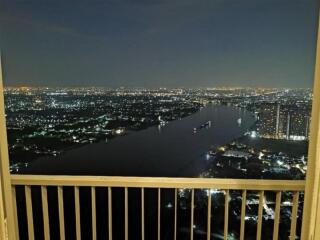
(173, 150)
(254, 158)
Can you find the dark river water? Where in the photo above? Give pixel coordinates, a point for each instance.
(173, 150)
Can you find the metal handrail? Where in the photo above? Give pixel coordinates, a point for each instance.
(159, 182)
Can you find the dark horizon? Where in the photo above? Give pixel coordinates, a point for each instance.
(157, 88)
(152, 44)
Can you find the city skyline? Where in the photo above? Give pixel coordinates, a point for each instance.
(78, 116)
(159, 43)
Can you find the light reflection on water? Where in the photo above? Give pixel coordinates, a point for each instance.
(173, 149)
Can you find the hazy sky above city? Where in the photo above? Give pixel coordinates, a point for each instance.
(158, 43)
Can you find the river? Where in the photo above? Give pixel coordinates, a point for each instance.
(174, 150)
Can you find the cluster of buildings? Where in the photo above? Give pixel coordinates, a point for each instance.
(45, 121)
(284, 121)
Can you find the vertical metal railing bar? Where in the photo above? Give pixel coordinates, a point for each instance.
(209, 216)
(61, 213)
(311, 198)
(93, 213)
(192, 214)
(294, 215)
(260, 212)
(159, 213)
(77, 212)
(5, 177)
(45, 213)
(175, 213)
(110, 213)
(126, 213)
(277, 216)
(243, 214)
(226, 214)
(15, 211)
(142, 213)
(29, 212)
(3, 223)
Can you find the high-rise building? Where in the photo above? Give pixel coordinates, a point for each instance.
(278, 121)
(267, 125)
(307, 127)
(288, 126)
(284, 121)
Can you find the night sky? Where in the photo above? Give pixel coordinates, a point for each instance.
(158, 43)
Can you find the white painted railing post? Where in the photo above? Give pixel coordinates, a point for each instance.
(4, 166)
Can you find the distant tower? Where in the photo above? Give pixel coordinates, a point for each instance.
(307, 127)
(278, 121)
(288, 126)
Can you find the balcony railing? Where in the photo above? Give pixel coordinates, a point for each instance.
(29, 184)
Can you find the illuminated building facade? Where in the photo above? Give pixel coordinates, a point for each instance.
(281, 121)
